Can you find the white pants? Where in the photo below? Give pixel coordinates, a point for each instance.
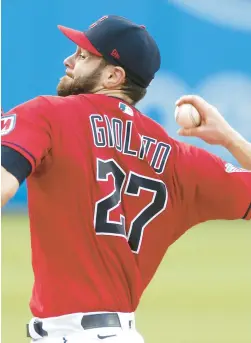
(68, 329)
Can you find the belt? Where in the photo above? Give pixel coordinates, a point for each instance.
(91, 321)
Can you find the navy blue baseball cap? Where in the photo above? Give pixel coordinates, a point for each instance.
(122, 43)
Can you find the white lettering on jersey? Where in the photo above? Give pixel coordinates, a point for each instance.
(116, 134)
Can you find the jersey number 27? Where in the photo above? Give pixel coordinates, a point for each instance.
(135, 183)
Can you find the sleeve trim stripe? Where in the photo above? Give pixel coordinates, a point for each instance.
(247, 212)
(23, 149)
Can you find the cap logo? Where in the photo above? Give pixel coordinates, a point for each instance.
(98, 21)
(115, 54)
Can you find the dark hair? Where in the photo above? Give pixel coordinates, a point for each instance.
(133, 91)
(129, 88)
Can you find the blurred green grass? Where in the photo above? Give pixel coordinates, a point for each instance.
(200, 294)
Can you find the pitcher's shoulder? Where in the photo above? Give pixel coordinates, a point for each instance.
(73, 105)
(62, 101)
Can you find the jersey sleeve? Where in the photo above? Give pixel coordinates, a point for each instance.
(216, 189)
(27, 129)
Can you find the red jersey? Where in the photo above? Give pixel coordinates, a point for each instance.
(109, 192)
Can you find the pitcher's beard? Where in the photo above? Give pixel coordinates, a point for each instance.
(68, 86)
(81, 85)
(64, 87)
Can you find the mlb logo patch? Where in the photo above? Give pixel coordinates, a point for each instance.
(8, 124)
(126, 109)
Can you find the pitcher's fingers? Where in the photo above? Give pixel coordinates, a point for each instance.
(199, 103)
(187, 132)
(192, 132)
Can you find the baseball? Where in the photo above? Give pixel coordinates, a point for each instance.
(187, 116)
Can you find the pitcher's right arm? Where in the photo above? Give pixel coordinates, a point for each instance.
(214, 129)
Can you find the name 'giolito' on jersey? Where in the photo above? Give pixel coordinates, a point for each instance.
(109, 192)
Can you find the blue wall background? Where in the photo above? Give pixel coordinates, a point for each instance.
(206, 49)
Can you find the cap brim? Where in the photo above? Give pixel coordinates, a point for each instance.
(80, 39)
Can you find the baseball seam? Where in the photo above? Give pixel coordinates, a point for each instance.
(177, 114)
(191, 116)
